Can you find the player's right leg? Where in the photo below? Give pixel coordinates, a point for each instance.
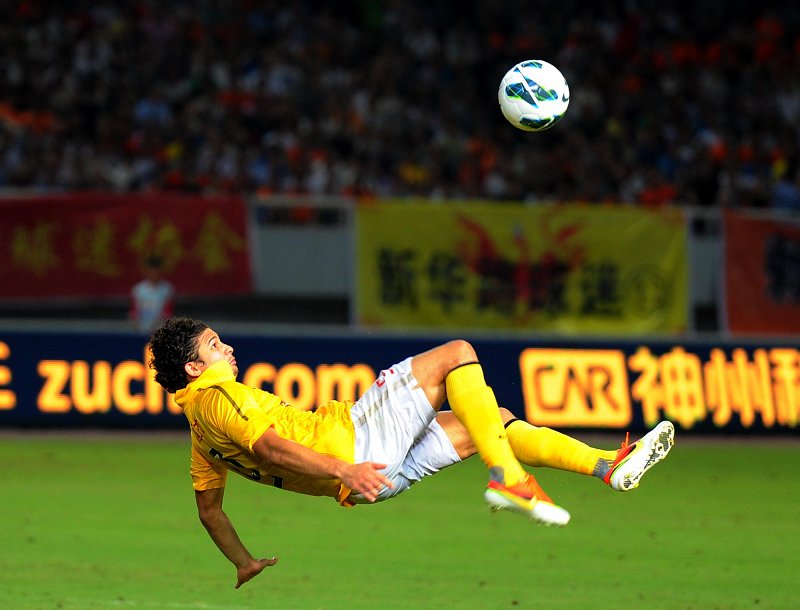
(452, 372)
(525, 497)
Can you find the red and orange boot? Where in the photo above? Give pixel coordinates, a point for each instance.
(526, 498)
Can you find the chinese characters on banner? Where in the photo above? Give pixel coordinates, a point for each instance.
(762, 275)
(569, 268)
(610, 388)
(92, 244)
(81, 379)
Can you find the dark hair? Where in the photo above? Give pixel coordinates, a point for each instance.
(154, 261)
(172, 345)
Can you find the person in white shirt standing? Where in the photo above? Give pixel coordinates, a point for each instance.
(153, 298)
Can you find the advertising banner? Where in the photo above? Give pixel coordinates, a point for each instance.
(569, 268)
(93, 244)
(74, 380)
(762, 275)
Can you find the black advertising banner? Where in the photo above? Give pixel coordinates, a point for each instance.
(76, 379)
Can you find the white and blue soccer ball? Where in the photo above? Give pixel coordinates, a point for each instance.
(533, 95)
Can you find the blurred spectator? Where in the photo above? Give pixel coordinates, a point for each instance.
(689, 104)
(152, 299)
(786, 192)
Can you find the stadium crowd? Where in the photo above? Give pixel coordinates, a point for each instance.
(694, 103)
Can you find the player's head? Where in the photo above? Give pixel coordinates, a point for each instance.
(174, 344)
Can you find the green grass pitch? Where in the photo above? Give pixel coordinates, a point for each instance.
(108, 521)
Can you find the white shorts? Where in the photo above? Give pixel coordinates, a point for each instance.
(396, 425)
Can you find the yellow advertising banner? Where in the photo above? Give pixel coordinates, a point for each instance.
(565, 268)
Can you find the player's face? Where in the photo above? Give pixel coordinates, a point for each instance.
(211, 349)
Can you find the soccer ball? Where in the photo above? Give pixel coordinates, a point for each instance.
(533, 95)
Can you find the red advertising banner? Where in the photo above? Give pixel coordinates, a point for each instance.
(762, 275)
(95, 244)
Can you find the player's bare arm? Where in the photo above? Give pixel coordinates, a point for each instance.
(363, 478)
(222, 532)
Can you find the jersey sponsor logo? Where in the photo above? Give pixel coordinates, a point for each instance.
(197, 430)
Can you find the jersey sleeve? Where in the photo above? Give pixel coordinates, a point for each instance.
(205, 473)
(249, 419)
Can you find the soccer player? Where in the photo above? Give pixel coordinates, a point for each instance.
(372, 449)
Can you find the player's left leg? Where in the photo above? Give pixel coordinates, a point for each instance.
(633, 461)
(545, 447)
(621, 469)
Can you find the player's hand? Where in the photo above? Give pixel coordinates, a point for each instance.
(252, 570)
(366, 479)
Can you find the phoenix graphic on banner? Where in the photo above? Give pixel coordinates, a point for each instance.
(569, 267)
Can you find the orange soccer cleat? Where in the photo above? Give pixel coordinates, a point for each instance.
(526, 498)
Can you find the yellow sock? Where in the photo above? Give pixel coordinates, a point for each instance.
(475, 406)
(546, 447)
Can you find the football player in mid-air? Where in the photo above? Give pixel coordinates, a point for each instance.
(372, 449)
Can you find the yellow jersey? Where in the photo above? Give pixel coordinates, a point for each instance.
(226, 418)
